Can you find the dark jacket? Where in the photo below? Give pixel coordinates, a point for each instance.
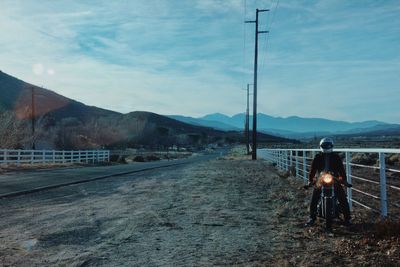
(335, 165)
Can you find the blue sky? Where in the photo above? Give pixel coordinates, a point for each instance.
(332, 59)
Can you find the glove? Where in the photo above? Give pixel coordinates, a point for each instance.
(310, 184)
(347, 184)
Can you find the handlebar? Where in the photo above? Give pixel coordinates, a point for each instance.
(308, 185)
(343, 182)
(311, 184)
(347, 184)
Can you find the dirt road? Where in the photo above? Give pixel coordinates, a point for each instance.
(20, 181)
(228, 211)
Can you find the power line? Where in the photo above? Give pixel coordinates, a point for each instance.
(271, 19)
(262, 54)
(271, 23)
(262, 61)
(273, 14)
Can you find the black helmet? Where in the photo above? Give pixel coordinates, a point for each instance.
(326, 145)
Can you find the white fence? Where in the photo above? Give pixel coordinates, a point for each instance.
(8, 156)
(372, 182)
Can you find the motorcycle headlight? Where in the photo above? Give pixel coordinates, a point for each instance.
(327, 179)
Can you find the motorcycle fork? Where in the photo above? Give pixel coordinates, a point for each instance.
(328, 201)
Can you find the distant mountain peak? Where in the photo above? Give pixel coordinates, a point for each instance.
(295, 124)
(215, 117)
(217, 114)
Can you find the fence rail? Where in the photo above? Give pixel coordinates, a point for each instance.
(373, 187)
(11, 156)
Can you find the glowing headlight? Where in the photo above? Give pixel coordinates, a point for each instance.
(327, 179)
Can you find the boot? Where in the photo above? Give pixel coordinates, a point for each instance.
(310, 222)
(347, 223)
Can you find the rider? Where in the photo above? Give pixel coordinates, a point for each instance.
(335, 165)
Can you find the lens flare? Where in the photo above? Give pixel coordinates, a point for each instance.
(51, 72)
(38, 69)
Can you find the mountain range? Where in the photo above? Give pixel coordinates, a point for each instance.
(294, 126)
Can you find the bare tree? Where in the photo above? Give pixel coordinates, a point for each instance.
(11, 130)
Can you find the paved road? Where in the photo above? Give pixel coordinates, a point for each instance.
(21, 182)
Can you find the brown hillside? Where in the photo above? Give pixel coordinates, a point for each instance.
(64, 123)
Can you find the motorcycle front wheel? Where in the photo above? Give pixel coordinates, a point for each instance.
(328, 223)
(328, 215)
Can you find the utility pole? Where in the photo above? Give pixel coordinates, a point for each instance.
(33, 116)
(247, 127)
(254, 148)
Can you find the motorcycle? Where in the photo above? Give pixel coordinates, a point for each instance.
(328, 206)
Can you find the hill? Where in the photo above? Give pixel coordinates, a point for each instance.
(205, 122)
(16, 96)
(64, 123)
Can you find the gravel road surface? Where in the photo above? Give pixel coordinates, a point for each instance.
(17, 182)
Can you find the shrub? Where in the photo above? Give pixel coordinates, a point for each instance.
(114, 158)
(365, 159)
(152, 158)
(387, 228)
(393, 159)
(138, 159)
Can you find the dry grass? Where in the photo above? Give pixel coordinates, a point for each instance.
(387, 229)
(38, 166)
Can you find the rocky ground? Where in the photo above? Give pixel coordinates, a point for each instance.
(224, 212)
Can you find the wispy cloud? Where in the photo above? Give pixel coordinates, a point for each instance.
(186, 57)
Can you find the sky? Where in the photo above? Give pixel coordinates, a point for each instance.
(334, 59)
